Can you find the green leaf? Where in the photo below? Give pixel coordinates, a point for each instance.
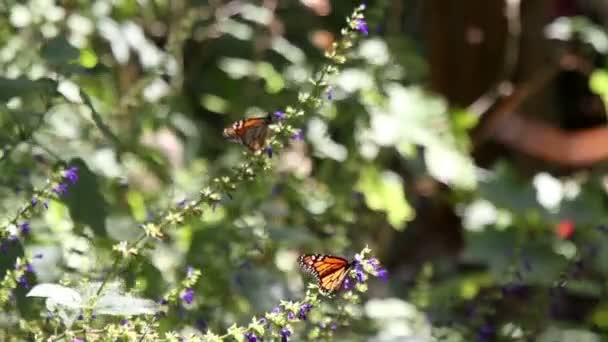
(57, 294)
(84, 199)
(23, 87)
(384, 192)
(59, 51)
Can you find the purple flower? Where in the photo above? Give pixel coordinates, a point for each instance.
(359, 270)
(80, 317)
(71, 174)
(361, 25)
(34, 201)
(182, 203)
(61, 189)
(163, 301)
(23, 282)
(188, 296)
(38, 256)
(298, 135)
(291, 316)
(304, 309)
(124, 321)
(280, 115)
(24, 228)
(285, 333)
(3, 247)
(251, 337)
(348, 283)
(333, 327)
(29, 268)
(330, 93)
(276, 310)
(269, 151)
(382, 273)
(262, 320)
(45, 204)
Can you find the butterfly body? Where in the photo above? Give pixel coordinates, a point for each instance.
(251, 133)
(330, 271)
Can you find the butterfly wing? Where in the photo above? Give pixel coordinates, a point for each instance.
(250, 132)
(329, 270)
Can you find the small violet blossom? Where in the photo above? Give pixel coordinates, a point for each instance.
(188, 296)
(280, 115)
(71, 174)
(304, 309)
(61, 189)
(285, 333)
(298, 135)
(361, 25)
(23, 282)
(330, 93)
(251, 337)
(269, 151)
(24, 228)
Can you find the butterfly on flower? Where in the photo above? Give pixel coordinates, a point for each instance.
(330, 271)
(251, 132)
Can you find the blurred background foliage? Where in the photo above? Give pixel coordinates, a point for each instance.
(463, 141)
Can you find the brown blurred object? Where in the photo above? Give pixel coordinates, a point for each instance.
(529, 119)
(322, 39)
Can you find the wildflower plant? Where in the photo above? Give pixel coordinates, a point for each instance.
(83, 309)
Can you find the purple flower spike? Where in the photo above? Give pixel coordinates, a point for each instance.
(61, 189)
(24, 228)
(298, 135)
(251, 337)
(361, 25)
(188, 296)
(285, 333)
(71, 174)
(280, 115)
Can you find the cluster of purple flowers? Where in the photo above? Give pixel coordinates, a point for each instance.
(373, 267)
(71, 176)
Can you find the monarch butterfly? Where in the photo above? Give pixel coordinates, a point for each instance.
(251, 132)
(330, 271)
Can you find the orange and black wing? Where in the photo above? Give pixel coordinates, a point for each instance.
(250, 132)
(329, 270)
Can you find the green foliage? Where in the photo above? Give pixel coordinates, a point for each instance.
(127, 216)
